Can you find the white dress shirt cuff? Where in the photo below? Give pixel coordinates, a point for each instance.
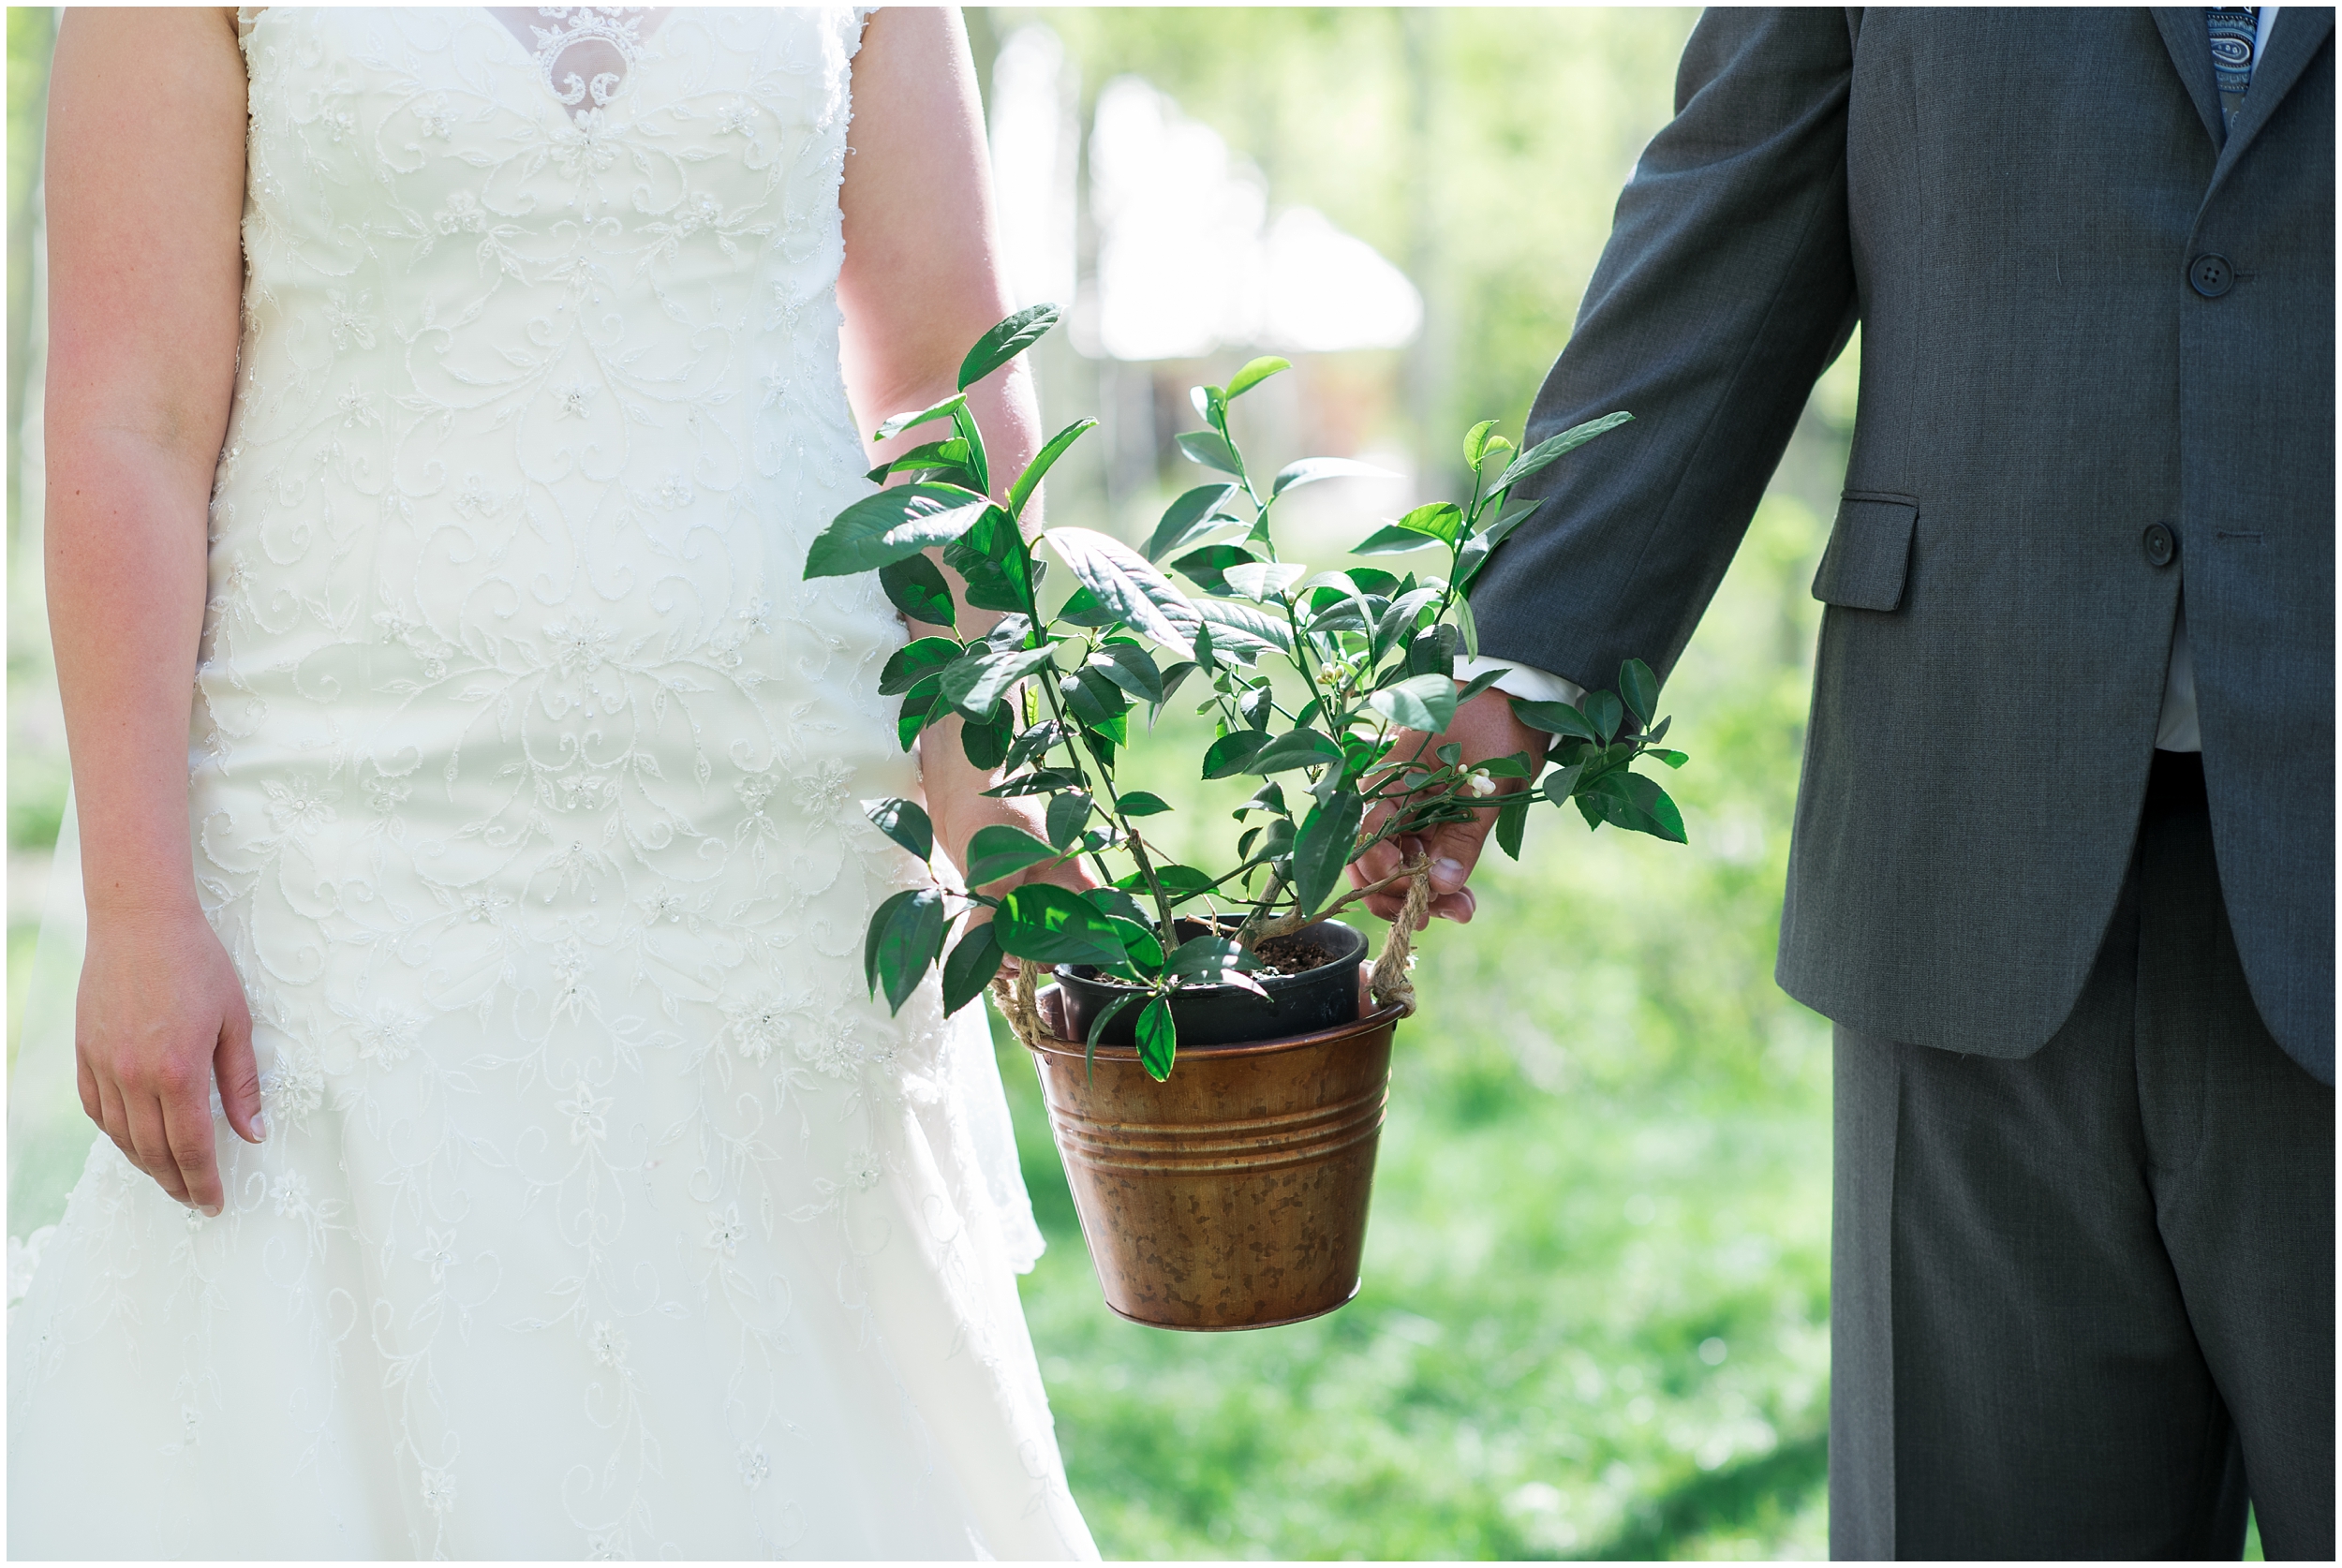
(1523, 680)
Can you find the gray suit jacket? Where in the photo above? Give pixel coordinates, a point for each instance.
(2011, 204)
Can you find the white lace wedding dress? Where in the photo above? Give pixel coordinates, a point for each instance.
(602, 1215)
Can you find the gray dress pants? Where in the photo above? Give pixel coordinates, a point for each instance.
(2082, 1301)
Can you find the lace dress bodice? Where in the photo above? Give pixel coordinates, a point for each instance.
(602, 1212)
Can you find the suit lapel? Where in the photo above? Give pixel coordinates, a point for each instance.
(2190, 44)
(2294, 39)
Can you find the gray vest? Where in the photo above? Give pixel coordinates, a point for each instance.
(2098, 372)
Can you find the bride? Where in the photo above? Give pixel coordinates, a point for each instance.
(501, 1155)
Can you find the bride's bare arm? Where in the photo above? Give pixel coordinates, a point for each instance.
(145, 192)
(920, 283)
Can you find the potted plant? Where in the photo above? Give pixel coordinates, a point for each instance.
(1234, 1193)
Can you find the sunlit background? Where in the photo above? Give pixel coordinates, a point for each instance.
(1594, 1322)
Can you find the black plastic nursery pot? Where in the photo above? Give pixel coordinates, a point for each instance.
(1320, 997)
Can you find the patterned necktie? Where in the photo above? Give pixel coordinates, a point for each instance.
(2233, 29)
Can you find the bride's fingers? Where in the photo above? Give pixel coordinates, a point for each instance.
(86, 1081)
(187, 1133)
(239, 1075)
(151, 1141)
(114, 1118)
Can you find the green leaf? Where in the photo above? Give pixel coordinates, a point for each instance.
(1068, 813)
(906, 934)
(904, 821)
(1040, 781)
(1000, 851)
(1605, 713)
(1128, 583)
(920, 708)
(1035, 742)
(1229, 755)
(1210, 448)
(1506, 521)
(1512, 818)
(1555, 718)
(1158, 1039)
(1311, 470)
(950, 459)
(1633, 803)
(1640, 687)
(915, 587)
(1208, 568)
(1253, 374)
(1261, 580)
(1189, 518)
(1140, 803)
(1562, 783)
(1081, 608)
(1030, 480)
(1138, 944)
(1213, 960)
(992, 560)
(977, 682)
(1476, 442)
(1179, 883)
(1295, 748)
(914, 661)
(1424, 703)
(1433, 651)
(900, 423)
(1553, 447)
(1004, 342)
(1440, 519)
(986, 745)
(1322, 848)
(1098, 1023)
(1269, 797)
(1130, 667)
(1242, 633)
(1045, 923)
(1113, 902)
(1392, 540)
(881, 529)
(1479, 684)
(975, 959)
(1673, 759)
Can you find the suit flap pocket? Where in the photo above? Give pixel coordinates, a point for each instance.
(1869, 553)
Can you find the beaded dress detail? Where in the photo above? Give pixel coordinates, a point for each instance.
(603, 1214)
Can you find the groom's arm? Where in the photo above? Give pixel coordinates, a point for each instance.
(1726, 288)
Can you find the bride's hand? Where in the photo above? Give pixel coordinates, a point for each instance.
(162, 1013)
(958, 807)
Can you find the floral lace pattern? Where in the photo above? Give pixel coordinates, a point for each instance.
(603, 1214)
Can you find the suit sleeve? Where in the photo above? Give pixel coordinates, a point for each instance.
(1725, 290)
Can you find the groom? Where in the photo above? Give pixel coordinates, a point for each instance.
(2063, 870)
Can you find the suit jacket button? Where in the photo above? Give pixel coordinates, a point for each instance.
(2211, 275)
(2161, 545)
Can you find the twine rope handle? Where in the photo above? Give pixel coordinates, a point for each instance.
(1391, 984)
(1014, 993)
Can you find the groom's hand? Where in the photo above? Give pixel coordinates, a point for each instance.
(1484, 728)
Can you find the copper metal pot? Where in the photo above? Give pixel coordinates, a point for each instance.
(1232, 1195)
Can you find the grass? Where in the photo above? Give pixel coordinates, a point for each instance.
(1594, 1316)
